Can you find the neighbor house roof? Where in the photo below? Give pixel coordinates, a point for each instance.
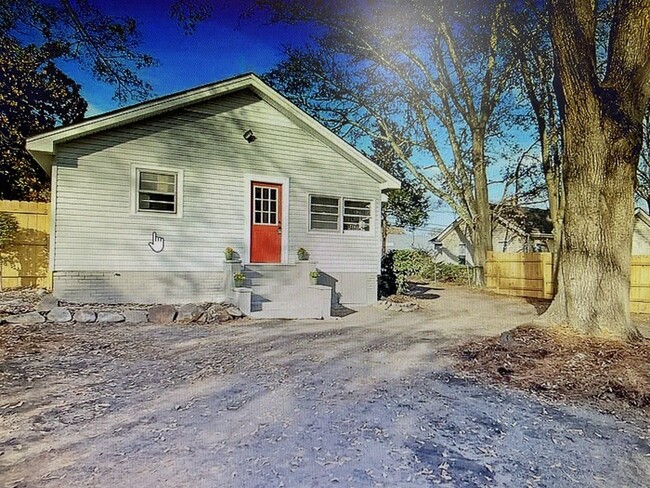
(43, 146)
(642, 215)
(535, 222)
(523, 220)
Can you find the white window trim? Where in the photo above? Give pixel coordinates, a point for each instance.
(340, 230)
(135, 170)
(262, 223)
(338, 216)
(277, 180)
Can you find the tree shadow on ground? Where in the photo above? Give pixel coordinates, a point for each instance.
(423, 291)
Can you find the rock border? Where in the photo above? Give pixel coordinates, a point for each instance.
(51, 310)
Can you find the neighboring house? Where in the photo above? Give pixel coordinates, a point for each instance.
(641, 236)
(516, 229)
(527, 230)
(145, 199)
(404, 239)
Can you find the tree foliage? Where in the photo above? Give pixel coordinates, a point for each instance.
(407, 207)
(36, 95)
(434, 70)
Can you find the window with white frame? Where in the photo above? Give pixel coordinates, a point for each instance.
(356, 215)
(157, 191)
(337, 214)
(324, 213)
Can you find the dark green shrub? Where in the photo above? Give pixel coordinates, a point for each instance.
(398, 266)
(387, 283)
(408, 263)
(447, 273)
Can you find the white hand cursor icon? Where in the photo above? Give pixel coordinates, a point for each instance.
(157, 243)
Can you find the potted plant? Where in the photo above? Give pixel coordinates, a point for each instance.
(303, 255)
(239, 279)
(229, 252)
(313, 277)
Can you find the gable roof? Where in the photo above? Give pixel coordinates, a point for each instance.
(447, 230)
(43, 146)
(523, 220)
(526, 220)
(534, 223)
(642, 216)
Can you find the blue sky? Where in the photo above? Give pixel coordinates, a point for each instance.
(221, 47)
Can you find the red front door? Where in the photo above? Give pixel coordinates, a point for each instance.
(266, 222)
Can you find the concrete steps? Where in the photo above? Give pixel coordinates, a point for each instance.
(283, 292)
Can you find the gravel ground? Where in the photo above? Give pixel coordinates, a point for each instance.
(364, 400)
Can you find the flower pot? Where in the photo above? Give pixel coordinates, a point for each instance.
(239, 283)
(313, 281)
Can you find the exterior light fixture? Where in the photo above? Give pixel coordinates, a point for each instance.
(249, 136)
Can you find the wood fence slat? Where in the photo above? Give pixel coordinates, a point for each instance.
(25, 262)
(531, 275)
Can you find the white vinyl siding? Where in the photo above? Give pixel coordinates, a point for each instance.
(95, 225)
(641, 237)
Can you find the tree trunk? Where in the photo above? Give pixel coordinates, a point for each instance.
(596, 244)
(553, 176)
(384, 234)
(482, 225)
(602, 122)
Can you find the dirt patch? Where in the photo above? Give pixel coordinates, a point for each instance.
(364, 400)
(558, 364)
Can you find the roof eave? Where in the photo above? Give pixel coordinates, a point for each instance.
(43, 144)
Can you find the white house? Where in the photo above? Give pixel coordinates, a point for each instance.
(145, 199)
(515, 229)
(529, 231)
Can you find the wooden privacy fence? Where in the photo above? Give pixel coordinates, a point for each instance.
(25, 261)
(531, 275)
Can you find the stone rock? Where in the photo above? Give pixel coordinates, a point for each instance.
(84, 316)
(217, 313)
(222, 316)
(189, 312)
(28, 318)
(59, 314)
(135, 316)
(162, 314)
(234, 312)
(110, 317)
(47, 303)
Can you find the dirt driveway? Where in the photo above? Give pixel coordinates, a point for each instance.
(364, 400)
